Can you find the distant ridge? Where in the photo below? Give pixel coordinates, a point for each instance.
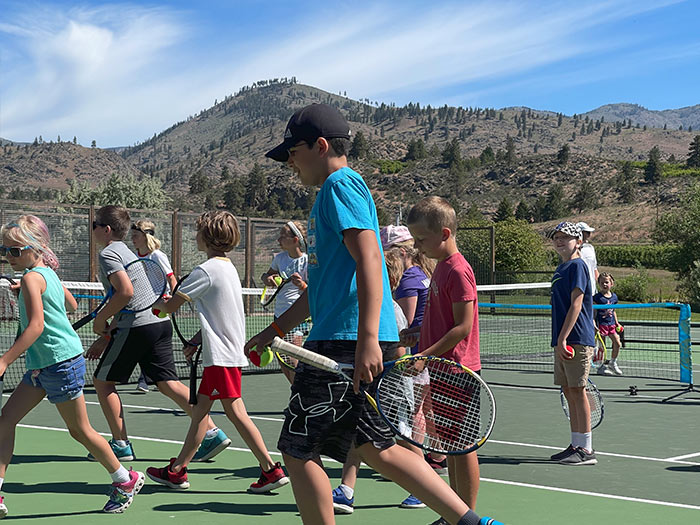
(672, 118)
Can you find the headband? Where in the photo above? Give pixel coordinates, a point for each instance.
(297, 233)
(149, 231)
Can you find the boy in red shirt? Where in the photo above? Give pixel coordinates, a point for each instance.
(450, 326)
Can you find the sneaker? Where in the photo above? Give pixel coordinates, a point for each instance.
(3, 508)
(489, 521)
(615, 369)
(122, 494)
(341, 503)
(270, 480)
(564, 453)
(411, 502)
(125, 453)
(604, 370)
(440, 521)
(143, 388)
(579, 457)
(438, 466)
(212, 446)
(165, 476)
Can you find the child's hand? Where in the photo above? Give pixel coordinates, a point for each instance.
(270, 280)
(297, 280)
(189, 351)
(96, 349)
(15, 288)
(368, 362)
(409, 338)
(562, 352)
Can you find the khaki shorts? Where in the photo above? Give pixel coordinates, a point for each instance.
(573, 372)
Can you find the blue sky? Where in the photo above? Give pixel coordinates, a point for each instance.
(120, 72)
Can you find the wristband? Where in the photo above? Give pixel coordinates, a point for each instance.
(277, 329)
(303, 286)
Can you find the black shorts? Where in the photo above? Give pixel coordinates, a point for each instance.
(149, 345)
(324, 415)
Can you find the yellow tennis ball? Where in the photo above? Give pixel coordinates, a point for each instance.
(277, 279)
(266, 357)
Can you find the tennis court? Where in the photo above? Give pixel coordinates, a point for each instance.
(648, 451)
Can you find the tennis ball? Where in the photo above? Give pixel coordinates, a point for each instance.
(160, 313)
(571, 351)
(266, 357)
(619, 329)
(277, 279)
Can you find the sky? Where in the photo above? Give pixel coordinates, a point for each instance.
(119, 72)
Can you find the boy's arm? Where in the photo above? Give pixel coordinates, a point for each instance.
(569, 321)
(463, 315)
(363, 247)
(295, 315)
(123, 292)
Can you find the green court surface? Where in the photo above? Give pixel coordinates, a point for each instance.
(648, 470)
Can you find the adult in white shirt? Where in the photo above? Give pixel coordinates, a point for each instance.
(588, 254)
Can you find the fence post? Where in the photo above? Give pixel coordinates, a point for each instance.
(92, 251)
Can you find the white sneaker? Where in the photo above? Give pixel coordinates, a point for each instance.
(604, 370)
(615, 368)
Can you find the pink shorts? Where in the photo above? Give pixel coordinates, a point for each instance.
(607, 330)
(221, 382)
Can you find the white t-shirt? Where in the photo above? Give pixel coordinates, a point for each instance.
(215, 289)
(162, 259)
(282, 263)
(588, 256)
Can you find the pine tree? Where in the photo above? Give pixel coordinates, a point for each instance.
(510, 151)
(586, 197)
(360, 146)
(652, 171)
(564, 154)
(522, 212)
(694, 153)
(555, 206)
(504, 211)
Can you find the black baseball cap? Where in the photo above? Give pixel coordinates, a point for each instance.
(308, 124)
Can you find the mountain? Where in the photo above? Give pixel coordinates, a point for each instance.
(688, 117)
(220, 146)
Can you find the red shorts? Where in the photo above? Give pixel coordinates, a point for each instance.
(607, 330)
(221, 382)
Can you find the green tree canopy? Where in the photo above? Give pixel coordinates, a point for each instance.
(504, 211)
(652, 171)
(694, 153)
(360, 146)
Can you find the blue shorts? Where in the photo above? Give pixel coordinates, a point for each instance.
(63, 381)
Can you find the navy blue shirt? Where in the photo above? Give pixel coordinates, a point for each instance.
(568, 276)
(605, 317)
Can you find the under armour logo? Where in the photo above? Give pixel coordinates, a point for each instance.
(336, 405)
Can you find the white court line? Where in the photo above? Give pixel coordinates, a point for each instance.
(488, 480)
(596, 494)
(677, 458)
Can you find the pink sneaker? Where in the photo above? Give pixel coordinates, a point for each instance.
(270, 480)
(165, 476)
(122, 494)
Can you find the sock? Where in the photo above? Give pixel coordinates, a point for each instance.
(2, 480)
(349, 492)
(470, 518)
(613, 361)
(577, 439)
(588, 441)
(121, 442)
(121, 475)
(211, 433)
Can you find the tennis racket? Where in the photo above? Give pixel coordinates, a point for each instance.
(9, 311)
(149, 283)
(266, 300)
(601, 352)
(436, 404)
(595, 400)
(189, 330)
(286, 361)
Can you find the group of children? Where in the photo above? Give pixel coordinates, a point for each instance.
(344, 246)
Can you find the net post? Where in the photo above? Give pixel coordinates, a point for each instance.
(686, 359)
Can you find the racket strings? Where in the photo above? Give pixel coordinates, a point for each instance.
(148, 282)
(442, 407)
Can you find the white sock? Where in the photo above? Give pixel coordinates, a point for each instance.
(211, 433)
(121, 475)
(121, 442)
(587, 441)
(349, 493)
(577, 439)
(2, 480)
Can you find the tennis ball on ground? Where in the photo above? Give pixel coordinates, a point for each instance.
(570, 350)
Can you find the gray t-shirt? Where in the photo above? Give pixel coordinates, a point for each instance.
(112, 259)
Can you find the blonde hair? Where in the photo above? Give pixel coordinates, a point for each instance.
(219, 230)
(30, 230)
(394, 267)
(434, 213)
(148, 229)
(302, 229)
(419, 259)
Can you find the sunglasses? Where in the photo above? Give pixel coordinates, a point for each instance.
(95, 224)
(14, 251)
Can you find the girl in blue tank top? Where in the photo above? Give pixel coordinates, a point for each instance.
(53, 355)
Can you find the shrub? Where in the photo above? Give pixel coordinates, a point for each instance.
(689, 287)
(634, 288)
(660, 256)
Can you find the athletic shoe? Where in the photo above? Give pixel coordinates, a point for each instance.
(489, 521)
(438, 466)
(3, 508)
(165, 476)
(341, 503)
(604, 370)
(579, 457)
(143, 387)
(122, 494)
(125, 453)
(270, 480)
(564, 453)
(411, 502)
(212, 446)
(440, 521)
(615, 369)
